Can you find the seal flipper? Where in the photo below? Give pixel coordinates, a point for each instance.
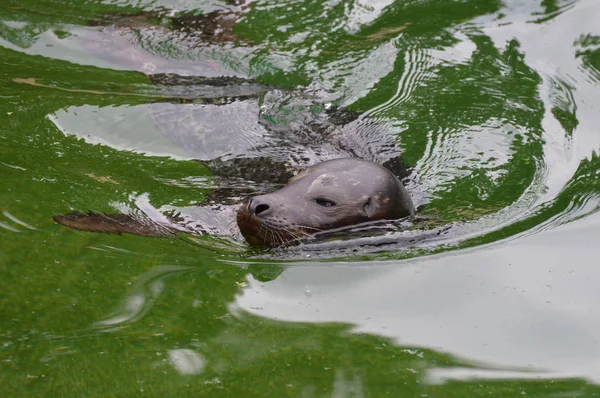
(113, 224)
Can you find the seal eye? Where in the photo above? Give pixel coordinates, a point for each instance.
(324, 202)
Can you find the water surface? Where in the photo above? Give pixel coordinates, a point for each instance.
(494, 105)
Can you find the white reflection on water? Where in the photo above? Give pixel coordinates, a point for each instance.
(444, 375)
(120, 127)
(550, 49)
(528, 304)
(186, 361)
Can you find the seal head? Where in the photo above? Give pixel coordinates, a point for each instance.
(332, 194)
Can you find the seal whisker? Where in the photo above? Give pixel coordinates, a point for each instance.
(278, 237)
(310, 228)
(295, 234)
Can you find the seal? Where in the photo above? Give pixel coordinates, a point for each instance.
(253, 137)
(328, 195)
(331, 194)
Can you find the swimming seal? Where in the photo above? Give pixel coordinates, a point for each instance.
(332, 194)
(328, 195)
(253, 137)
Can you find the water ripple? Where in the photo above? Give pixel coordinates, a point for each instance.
(141, 297)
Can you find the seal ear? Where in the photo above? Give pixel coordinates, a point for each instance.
(301, 173)
(369, 207)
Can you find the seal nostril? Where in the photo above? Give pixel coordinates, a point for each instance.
(257, 206)
(261, 208)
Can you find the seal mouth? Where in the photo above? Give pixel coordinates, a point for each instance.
(259, 232)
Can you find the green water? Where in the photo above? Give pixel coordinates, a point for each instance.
(494, 105)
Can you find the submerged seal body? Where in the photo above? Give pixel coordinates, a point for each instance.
(332, 194)
(251, 136)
